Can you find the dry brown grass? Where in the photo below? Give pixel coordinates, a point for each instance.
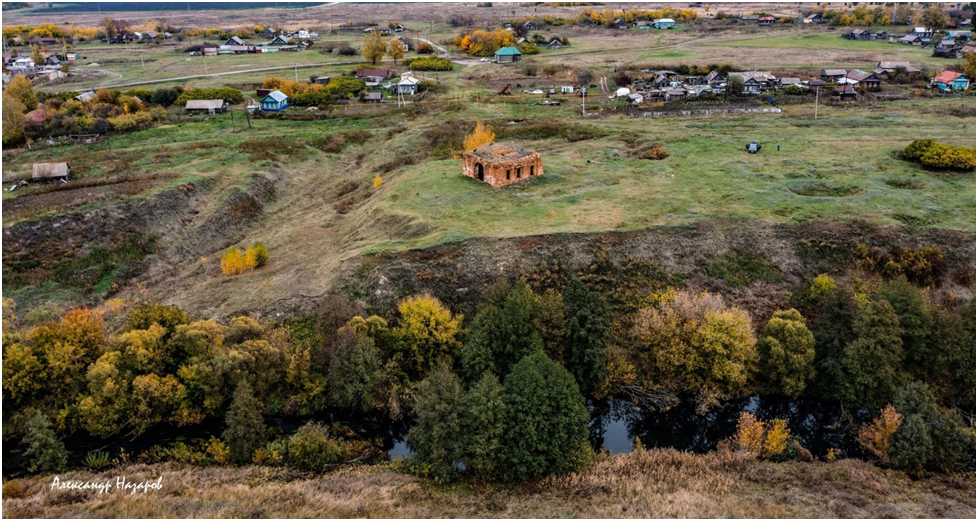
(647, 483)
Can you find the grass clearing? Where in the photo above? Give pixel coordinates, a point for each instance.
(644, 484)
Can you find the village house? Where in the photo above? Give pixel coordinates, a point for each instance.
(50, 172)
(374, 76)
(404, 44)
(846, 92)
(208, 106)
(500, 164)
(949, 80)
(529, 26)
(278, 41)
(408, 84)
(620, 24)
(555, 44)
(304, 34)
(765, 20)
(813, 18)
(749, 17)
(885, 68)
(833, 75)
(866, 80)
(922, 32)
(276, 101)
(959, 35)
(664, 23)
(911, 39)
(85, 96)
(321, 80)
(373, 97)
(789, 82)
(858, 34)
(398, 28)
(234, 40)
(508, 55)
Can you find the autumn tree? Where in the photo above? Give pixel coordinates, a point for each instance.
(426, 335)
(875, 436)
(786, 352)
(395, 49)
(374, 47)
(37, 55)
(588, 334)
(13, 119)
(934, 18)
(695, 343)
(481, 135)
(969, 65)
(21, 89)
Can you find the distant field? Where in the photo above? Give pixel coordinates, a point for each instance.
(108, 7)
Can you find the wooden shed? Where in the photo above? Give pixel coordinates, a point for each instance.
(51, 172)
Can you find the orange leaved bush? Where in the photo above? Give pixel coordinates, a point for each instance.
(875, 437)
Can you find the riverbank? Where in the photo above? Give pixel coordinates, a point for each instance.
(645, 483)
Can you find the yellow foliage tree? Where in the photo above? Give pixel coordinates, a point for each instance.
(776, 439)
(395, 49)
(374, 47)
(234, 262)
(481, 135)
(22, 89)
(750, 434)
(378, 181)
(427, 334)
(13, 119)
(875, 437)
(760, 439)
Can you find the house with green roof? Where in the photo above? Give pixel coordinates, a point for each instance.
(508, 55)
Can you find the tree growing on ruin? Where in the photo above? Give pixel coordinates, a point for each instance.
(481, 135)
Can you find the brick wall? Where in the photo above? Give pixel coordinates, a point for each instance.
(494, 172)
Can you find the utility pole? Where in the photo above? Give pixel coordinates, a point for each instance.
(297, 72)
(204, 57)
(583, 93)
(816, 102)
(233, 131)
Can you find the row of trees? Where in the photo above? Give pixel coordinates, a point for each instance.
(503, 393)
(26, 115)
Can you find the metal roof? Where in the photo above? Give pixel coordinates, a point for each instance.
(205, 104)
(276, 95)
(508, 51)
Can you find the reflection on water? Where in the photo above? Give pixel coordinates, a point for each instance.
(616, 423)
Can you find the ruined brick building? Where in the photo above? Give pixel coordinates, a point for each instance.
(500, 164)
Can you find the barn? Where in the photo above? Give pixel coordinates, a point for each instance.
(51, 172)
(508, 55)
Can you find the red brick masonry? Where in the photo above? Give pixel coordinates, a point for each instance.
(500, 164)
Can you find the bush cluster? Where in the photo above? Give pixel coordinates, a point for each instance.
(428, 64)
(236, 262)
(932, 154)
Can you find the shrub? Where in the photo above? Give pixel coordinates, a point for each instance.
(875, 436)
(232, 96)
(218, 451)
(655, 152)
(257, 255)
(312, 448)
(428, 64)
(273, 453)
(97, 460)
(45, 451)
(378, 181)
(932, 154)
(234, 262)
(760, 439)
(425, 48)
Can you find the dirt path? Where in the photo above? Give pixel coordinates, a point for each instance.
(180, 78)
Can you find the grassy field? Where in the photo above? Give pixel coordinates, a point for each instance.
(643, 484)
(841, 167)
(599, 185)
